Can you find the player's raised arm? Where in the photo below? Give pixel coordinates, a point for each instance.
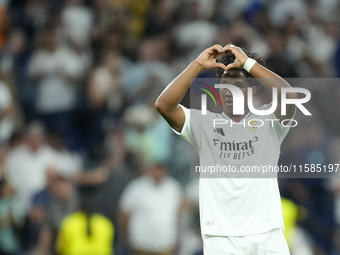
(167, 102)
(259, 71)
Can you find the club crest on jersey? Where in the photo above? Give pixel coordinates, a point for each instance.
(253, 125)
(209, 223)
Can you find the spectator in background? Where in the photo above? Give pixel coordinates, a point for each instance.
(10, 220)
(27, 165)
(312, 193)
(56, 71)
(105, 20)
(321, 34)
(280, 10)
(277, 60)
(115, 40)
(105, 94)
(81, 58)
(322, 39)
(85, 232)
(127, 17)
(45, 198)
(147, 132)
(150, 73)
(135, 11)
(160, 18)
(297, 239)
(105, 90)
(13, 61)
(290, 218)
(124, 167)
(194, 34)
(69, 163)
(15, 141)
(190, 234)
(65, 201)
(77, 21)
(36, 15)
(297, 48)
(149, 213)
(40, 203)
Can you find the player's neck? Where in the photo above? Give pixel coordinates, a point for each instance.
(237, 118)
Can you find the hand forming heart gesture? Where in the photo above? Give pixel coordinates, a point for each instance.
(207, 59)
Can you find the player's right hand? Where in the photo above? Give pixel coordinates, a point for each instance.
(207, 59)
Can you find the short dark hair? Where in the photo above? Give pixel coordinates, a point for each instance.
(230, 58)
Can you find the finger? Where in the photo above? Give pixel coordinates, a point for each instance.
(217, 47)
(230, 47)
(213, 50)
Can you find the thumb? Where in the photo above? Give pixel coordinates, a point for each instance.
(233, 65)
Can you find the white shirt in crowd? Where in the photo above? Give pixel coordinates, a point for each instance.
(236, 206)
(26, 170)
(153, 211)
(55, 92)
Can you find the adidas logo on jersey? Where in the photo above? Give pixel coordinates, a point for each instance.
(219, 131)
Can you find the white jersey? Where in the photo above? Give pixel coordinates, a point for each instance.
(236, 206)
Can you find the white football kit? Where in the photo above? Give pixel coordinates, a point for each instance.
(237, 207)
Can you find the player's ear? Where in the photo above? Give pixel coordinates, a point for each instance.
(254, 90)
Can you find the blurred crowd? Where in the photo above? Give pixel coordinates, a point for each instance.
(88, 166)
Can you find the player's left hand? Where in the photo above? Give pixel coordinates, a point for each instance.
(239, 54)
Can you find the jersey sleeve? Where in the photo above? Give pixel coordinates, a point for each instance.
(190, 131)
(280, 130)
